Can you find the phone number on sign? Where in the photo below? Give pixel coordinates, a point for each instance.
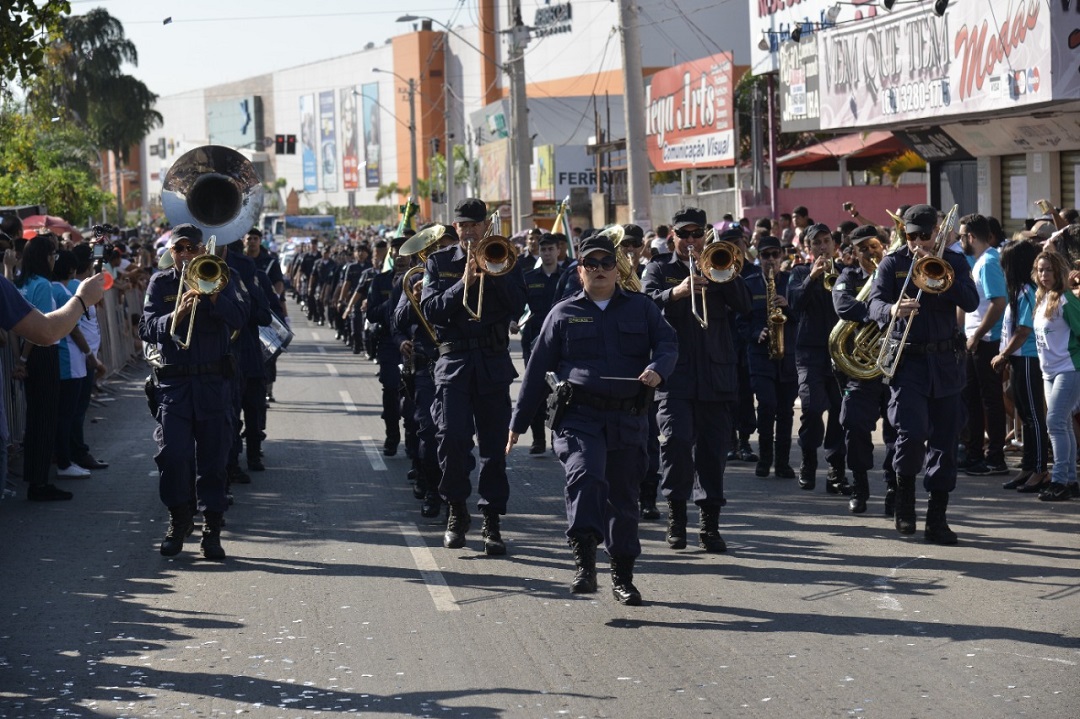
(915, 96)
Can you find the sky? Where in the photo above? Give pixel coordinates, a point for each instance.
(210, 42)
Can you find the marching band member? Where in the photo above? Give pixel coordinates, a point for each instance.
(810, 300)
(193, 393)
(472, 375)
(698, 399)
(773, 379)
(608, 347)
(380, 308)
(864, 399)
(924, 405)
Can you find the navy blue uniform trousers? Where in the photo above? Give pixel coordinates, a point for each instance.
(604, 459)
(865, 401)
(819, 393)
(694, 438)
(190, 445)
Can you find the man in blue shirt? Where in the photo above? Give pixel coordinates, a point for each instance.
(983, 393)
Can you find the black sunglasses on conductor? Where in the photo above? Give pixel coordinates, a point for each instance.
(592, 264)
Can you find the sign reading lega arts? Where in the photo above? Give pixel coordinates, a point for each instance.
(688, 119)
(911, 64)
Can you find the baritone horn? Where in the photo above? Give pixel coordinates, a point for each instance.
(628, 278)
(494, 255)
(719, 262)
(421, 244)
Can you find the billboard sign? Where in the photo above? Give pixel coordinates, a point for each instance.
(350, 158)
(328, 141)
(689, 120)
(369, 95)
(307, 143)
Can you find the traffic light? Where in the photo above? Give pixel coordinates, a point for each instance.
(290, 144)
(434, 146)
(279, 144)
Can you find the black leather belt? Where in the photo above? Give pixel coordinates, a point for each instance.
(604, 404)
(174, 371)
(474, 343)
(929, 348)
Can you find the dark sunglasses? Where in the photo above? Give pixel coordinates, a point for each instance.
(687, 234)
(632, 243)
(918, 235)
(592, 265)
(185, 248)
(771, 254)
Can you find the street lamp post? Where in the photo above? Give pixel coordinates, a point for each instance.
(413, 189)
(522, 143)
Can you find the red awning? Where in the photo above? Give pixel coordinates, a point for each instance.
(859, 150)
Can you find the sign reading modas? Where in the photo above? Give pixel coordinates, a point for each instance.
(688, 119)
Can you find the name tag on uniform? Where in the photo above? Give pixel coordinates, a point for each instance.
(901, 275)
(579, 320)
(673, 280)
(539, 286)
(170, 298)
(450, 275)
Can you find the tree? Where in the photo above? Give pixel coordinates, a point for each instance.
(48, 163)
(26, 30)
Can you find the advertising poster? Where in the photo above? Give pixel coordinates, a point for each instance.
(350, 158)
(799, 91)
(369, 94)
(307, 143)
(543, 172)
(911, 64)
(688, 120)
(495, 171)
(328, 141)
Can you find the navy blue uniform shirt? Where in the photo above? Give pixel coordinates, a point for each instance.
(811, 308)
(539, 296)
(581, 343)
(753, 322)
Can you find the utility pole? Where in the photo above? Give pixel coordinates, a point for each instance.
(449, 149)
(637, 158)
(415, 191)
(519, 118)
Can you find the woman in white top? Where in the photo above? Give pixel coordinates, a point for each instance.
(1057, 337)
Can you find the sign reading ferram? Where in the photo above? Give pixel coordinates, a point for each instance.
(689, 115)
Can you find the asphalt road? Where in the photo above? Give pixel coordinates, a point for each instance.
(337, 597)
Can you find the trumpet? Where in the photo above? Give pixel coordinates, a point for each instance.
(931, 274)
(494, 255)
(720, 262)
(206, 274)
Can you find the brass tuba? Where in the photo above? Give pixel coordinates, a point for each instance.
(214, 188)
(420, 244)
(494, 255)
(855, 346)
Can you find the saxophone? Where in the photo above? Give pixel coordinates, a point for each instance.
(776, 319)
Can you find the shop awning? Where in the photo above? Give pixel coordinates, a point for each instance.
(860, 151)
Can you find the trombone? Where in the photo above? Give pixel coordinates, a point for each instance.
(494, 255)
(931, 274)
(722, 262)
(206, 274)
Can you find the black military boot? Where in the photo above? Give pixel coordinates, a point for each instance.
(584, 549)
(181, 525)
(765, 460)
(905, 504)
(211, 536)
(493, 543)
(782, 466)
(622, 581)
(937, 529)
(808, 471)
(709, 537)
(254, 458)
(647, 500)
(237, 475)
(859, 493)
(432, 505)
(418, 480)
(836, 481)
(393, 439)
(890, 495)
(457, 524)
(676, 523)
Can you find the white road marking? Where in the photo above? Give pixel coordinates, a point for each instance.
(371, 450)
(331, 369)
(346, 399)
(315, 335)
(429, 570)
(885, 600)
(322, 350)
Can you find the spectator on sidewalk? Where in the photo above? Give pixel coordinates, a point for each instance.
(91, 331)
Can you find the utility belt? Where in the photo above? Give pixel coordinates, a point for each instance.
(224, 367)
(564, 395)
(928, 348)
(631, 405)
(473, 343)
